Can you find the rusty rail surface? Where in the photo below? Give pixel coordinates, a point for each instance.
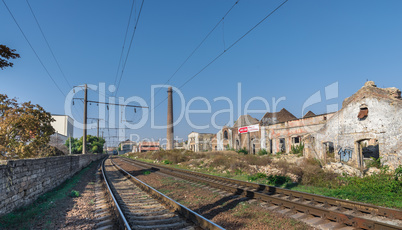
(199, 221)
(346, 212)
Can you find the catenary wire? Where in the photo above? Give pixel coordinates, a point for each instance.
(124, 42)
(129, 48)
(198, 46)
(36, 54)
(51, 50)
(47, 43)
(229, 47)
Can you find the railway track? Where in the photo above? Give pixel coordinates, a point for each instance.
(320, 211)
(138, 206)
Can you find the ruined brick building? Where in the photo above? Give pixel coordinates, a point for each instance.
(199, 141)
(369, 124)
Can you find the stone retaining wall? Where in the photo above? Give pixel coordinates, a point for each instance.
(23, 181)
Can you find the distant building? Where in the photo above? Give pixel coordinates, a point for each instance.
(64, 128)
(147, 146)
(179, 145)
(200, 141)
(110, 149)
(127, 146)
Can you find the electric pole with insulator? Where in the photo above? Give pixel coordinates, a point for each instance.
(84, 137)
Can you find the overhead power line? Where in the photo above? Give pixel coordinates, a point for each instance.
(47, 43)
(129, 48)
(233, 44)
(124, 42)
(199, 45)
(36, 54)
(106, 103)
(229, 47)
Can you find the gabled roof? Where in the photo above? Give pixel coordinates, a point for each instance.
(245, 120)
(370, 90)
(277, 117)
(309, 114)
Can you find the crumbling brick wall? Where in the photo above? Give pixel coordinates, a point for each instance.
(23, 181)
(379, 129)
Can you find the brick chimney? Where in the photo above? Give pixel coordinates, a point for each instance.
(169, 135)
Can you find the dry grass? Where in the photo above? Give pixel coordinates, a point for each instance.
(308, 172)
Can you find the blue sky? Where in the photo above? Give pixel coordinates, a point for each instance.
(302, 48)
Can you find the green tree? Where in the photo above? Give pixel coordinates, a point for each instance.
(94, 144)
(25, 129)
(5, 55)
(76, 147)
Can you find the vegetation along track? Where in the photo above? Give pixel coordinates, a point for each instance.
(138, 206)
(323, 212)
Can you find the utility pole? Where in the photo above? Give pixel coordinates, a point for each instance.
(97, 129)
(84, 137)
(85, 100)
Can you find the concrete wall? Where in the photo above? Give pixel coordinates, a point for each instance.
(23, 181)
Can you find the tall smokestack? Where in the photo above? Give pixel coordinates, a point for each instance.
(169, 135)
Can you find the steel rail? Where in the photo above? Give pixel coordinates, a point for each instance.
(119, 213)
(184, 211)
(316, 205)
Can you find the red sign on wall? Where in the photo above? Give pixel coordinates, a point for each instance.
(249, 129)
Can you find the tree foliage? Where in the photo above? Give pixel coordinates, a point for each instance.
(94, 144)
(25, 129)
(5, 55)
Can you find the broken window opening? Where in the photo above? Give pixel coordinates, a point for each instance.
(282, 145)
(369, 150)
(270, 146)
(225, 135)
(296, 140)
(329, 149)
(363, 113)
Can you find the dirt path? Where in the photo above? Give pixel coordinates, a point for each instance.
(59, 209)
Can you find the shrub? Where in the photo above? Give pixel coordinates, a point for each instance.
(167, 162)
(376, 163)
(262, 152)
(314, 175)
(398, 173)
(74, 193)
(147, 172)
(243, 150)
(256, 176)
(278, 154)
(238, 172)
(278, 180)
(297, 149)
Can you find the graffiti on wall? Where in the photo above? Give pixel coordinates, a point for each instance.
(345, 154)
